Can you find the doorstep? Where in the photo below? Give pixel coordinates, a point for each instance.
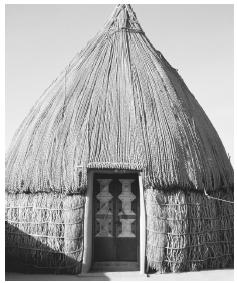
(107, 266)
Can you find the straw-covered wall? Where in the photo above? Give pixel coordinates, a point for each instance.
(187, 231)
(44, 232)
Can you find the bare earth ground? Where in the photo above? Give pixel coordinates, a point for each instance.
(209, 275)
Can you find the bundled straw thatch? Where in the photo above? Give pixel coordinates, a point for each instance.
(119, 104)
(44, 232)
(188, 231)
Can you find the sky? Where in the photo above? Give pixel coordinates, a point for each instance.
(198, 40)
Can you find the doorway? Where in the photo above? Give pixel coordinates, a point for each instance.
(116, 214)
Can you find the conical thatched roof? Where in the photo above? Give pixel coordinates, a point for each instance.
(119, 104)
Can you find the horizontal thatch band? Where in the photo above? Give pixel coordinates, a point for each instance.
(130, 30)
(44, 208)
(43, 222)
(194, 233)
(44, 251)
(197, 245)
(193, 218)
(110, 165)
(46, 236)
(196, 260)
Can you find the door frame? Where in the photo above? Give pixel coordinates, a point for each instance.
(88, 219)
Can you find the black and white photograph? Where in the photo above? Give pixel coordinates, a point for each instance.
(118, 145)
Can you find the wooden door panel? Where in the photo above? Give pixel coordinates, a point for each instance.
(126, 249)
(126, 241)
(115, 230)
(103, 221)
(104, 249)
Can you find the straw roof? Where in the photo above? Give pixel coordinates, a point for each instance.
(118, 104)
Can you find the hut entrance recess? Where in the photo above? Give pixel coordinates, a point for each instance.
(116, 217)
(114, 220)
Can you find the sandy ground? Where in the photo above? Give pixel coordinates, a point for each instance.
(213, 275)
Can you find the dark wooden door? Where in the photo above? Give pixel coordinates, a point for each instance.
(116, 217)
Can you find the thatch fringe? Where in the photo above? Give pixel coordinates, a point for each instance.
(44, 232)
(188, 231)
(118, 102)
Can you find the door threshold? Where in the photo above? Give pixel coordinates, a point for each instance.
(115, 266)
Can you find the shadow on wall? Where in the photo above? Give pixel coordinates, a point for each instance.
(62, 277)
(26, 254)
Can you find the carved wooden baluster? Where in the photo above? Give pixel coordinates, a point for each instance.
(126, 197)
(104, 216)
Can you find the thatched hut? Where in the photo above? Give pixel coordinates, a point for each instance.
(117, 162)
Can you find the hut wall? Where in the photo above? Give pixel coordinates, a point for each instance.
(44, 232)
(188, 231)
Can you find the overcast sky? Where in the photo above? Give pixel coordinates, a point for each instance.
(195, 39)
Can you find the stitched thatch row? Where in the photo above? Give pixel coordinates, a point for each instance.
(188, 231)
(44, 232)
(118, 102)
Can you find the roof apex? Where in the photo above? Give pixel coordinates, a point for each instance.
(123, 17)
